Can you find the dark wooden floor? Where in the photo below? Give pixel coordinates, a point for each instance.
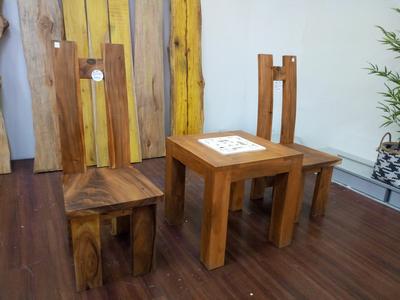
(354, 252)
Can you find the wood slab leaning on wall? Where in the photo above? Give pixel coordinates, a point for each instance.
(187, 83)
(149, 72)
(41, 22)
(91, 23)
(5, 166)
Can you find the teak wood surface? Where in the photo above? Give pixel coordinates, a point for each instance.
(41, 22)
(220, 172)
(314, 160)
(149, 72)
(120, 193)
(187, 82)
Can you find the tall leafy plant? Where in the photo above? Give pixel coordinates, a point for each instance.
(390, 105)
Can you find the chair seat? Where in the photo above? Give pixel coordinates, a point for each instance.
(314, 159)
(104, 190)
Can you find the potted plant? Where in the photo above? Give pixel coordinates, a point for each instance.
(387, 166)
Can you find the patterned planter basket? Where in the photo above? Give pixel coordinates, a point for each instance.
(387, 166)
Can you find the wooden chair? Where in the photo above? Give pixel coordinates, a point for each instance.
(314, 161)
(120, 193)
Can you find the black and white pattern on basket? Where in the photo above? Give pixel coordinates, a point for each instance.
(387, 168)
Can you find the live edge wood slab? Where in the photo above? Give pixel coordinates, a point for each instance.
(224, 180)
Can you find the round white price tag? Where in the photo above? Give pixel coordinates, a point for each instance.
(97, 75)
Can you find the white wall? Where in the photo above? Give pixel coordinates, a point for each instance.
(333, 40)
(15, 91)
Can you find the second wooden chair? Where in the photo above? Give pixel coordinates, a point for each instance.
(314, 161)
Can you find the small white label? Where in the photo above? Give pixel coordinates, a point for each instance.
(97, 75)
(57, 45)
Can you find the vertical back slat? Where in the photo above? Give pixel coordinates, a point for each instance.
(265, 96)
(289, 100)
(116, 105)
(69, 107)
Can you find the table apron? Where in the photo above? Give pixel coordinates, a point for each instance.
(261, 169)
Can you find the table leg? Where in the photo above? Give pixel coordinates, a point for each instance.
(257, 188)
(85, 233)
(237, 195)
(321, 192)
(215, 219)
(301, 197)
(174, 190)
(284, 207)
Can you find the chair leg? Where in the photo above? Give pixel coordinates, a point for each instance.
(120, 225)
(321, 192)
(85, 233)
(143, 234)
(257, 188)
(300, 199)
(237, 194)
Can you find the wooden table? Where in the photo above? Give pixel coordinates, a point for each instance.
(224, 181)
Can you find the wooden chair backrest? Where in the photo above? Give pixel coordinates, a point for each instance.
(267, 74)
(68, 70)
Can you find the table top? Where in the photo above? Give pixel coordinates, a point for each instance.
(213, 158)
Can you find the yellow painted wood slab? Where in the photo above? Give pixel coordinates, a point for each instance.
(178, 65)
(5, 165)
(120, 33)
(149, 72)
(76, 30)
(187, 83)
(41, 22)
(98, 34)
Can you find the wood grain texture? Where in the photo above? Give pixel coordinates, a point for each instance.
(187, 82)
(314, 160)
(102, 190)
(219, 171)
(174, 189)
(285, 204)
(236, 196)
(149, 72)
(215, 219)
(41, 22)
(321, 192)
(143, 236)
(289, 100)
(3, 24)
(328, 258)
(76, 30)
(116, 106)
(265, 96)
(98, 34)
(120, 33)
(5, 163)
(69, 107)
(85, 233)
(178, 67)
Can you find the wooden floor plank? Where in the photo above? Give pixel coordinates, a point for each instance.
(76, 30)
(41, 22)
(353, 252)
(120, 31)
(149, 72)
